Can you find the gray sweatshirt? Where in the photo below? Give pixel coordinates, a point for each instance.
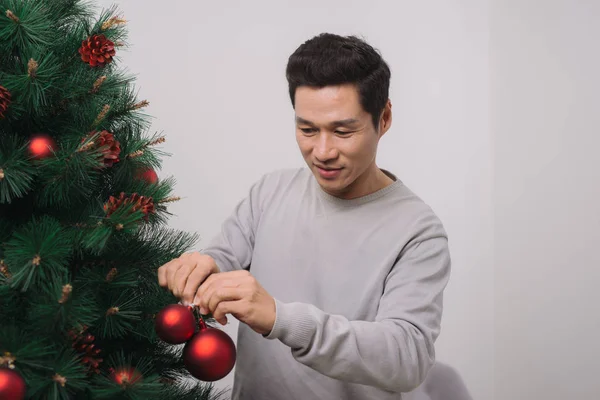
(358, 286)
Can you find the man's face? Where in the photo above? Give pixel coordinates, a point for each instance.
(337, 138)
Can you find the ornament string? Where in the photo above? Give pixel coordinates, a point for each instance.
(195, 310)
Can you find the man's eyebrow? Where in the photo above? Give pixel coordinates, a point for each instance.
(303, 121)
(343, 122)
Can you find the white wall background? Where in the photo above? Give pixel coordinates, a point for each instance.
(546, 127)
(214, 75)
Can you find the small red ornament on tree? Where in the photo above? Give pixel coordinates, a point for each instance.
(105, 142)
(210, 354)
(125, 376)
(175, 324)
(12, 385)
(148, 175)
(41, 146)
(97, 50)
(5, 99)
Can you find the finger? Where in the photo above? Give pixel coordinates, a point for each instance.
(205, 285)
(228, 307)
(162, 276)
(223, 294)
(181, 277)
(216, 277)
(171, 271)
(162, 273)
(210, 289)
(196, 278)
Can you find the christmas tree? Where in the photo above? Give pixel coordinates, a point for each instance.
(82, 215)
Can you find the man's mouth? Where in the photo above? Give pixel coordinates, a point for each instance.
(327, 168)
(328, 172)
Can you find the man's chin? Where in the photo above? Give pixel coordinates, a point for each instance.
(334, 188)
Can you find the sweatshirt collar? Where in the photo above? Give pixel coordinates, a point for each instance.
(363, 199)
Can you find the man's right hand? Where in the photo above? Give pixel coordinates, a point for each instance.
(184, 275)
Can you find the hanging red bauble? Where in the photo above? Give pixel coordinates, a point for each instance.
(12, 385)
(175, 324)
(41, 146)
(210, 354)
(148, 175)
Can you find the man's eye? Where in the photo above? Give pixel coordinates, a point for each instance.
(308, 130)
(343, 132)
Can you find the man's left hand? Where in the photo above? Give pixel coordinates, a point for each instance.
(237, 293)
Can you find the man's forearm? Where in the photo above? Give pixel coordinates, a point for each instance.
(391, 355)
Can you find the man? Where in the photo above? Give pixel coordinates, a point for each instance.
(336, 271)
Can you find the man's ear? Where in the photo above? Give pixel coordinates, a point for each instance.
(385, 121)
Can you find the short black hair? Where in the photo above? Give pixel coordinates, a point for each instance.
(329, 59)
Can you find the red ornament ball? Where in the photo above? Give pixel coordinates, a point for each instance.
(148, 175)
(125, 376)
(41, 146)
(12, 385)
(210, 355)
(175, 324)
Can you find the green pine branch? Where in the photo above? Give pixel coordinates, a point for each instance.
(38, 253)
(65, 377)
(64, 307)
(16, 174)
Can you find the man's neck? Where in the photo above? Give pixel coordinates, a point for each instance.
(371, 181)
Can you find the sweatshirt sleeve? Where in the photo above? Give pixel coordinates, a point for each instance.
(394, 352)
(232, 248)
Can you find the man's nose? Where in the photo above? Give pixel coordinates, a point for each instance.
(325, 149)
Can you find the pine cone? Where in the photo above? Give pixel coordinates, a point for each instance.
(140, 203)
(83, 343)
(4, 100)
(108, 146)
(97, 50)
